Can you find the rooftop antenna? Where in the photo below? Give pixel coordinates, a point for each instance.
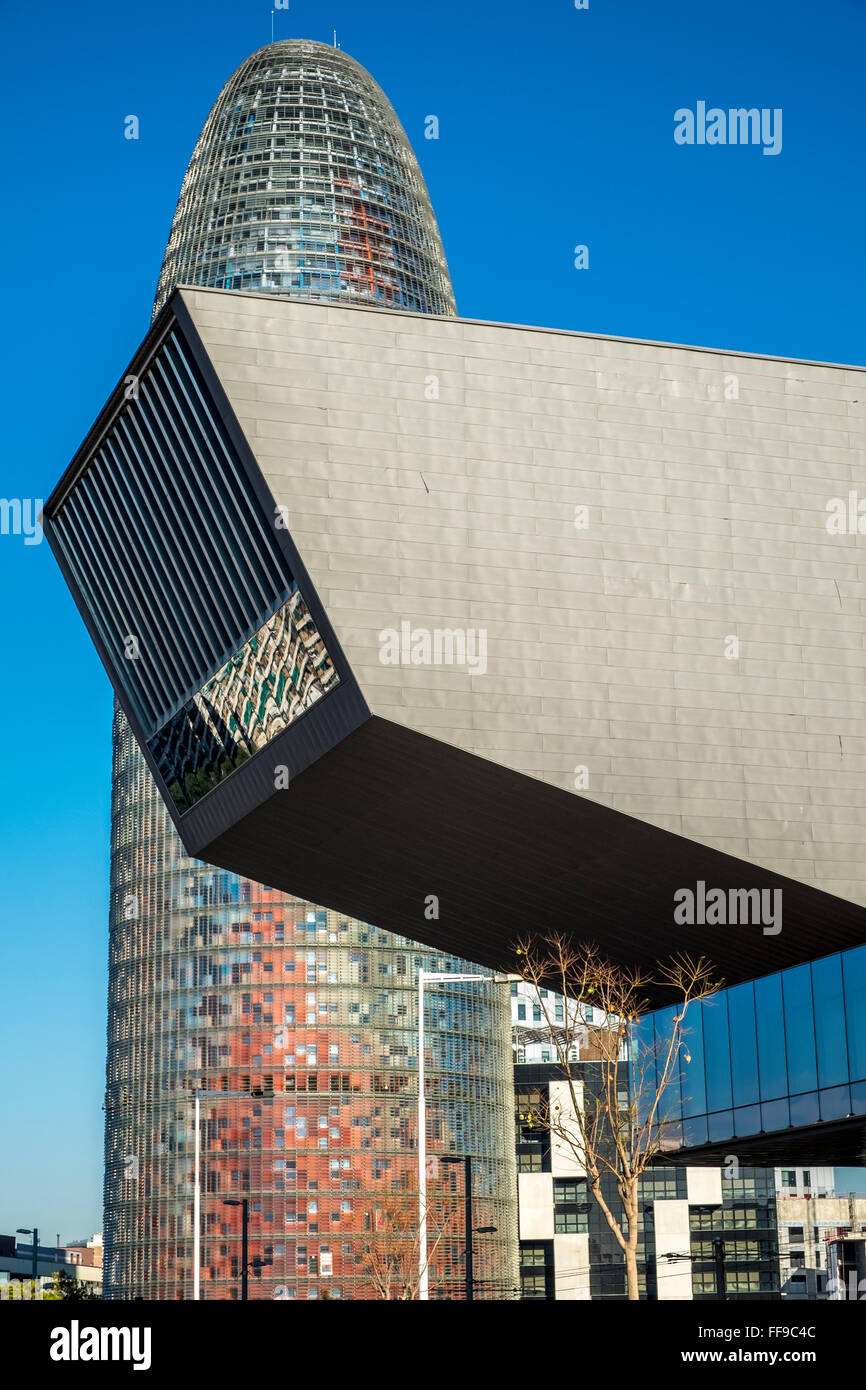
(272, 26)
(336, 45)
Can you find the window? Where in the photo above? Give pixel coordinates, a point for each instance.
(532, 1140)
(570, 1207)
(789, 1177)
(536, 1271)
(795, 1235)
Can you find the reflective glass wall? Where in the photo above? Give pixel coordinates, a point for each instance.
(788, 1049)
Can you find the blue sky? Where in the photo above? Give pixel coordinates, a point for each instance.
(556, 129)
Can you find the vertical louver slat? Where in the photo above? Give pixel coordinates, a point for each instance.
(205, 499)
(150, 617)
(237, 489)
(195, 651)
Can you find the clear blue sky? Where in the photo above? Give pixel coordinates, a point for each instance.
(556, 128)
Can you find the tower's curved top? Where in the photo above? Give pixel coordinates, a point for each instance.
(303, 184)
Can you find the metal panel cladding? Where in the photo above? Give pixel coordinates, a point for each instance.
(303, 183)
(305, 1021)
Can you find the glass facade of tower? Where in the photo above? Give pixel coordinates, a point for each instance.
(304, 1022)
(303, 183)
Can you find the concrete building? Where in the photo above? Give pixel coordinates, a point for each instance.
(808, 1226)
(846, 1267)
(817, 1181)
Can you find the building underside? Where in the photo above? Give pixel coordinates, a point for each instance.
(834, 1143)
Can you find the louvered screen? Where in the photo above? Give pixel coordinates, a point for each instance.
(174, 556)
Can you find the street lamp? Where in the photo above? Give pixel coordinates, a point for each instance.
(435, 977)
(258, 1262)
(719, 1262)
(470, 1230)
(244, 1205)
(25, 1231)
(466, 1160)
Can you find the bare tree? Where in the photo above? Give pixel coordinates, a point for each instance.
(618, 1124)
(391, 1247)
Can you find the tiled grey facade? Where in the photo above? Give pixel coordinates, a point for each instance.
(432, 471)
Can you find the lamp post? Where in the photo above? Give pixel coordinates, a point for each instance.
(470, 1230)
(243, 1203)
(259, 1262)
(196, 1203)
(25, 1231)
(447, 978)
(719, 1261)
(466, 1160)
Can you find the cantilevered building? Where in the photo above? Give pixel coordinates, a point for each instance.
(590, 615)
(302, 184)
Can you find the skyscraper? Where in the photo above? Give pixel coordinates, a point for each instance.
(302, 184)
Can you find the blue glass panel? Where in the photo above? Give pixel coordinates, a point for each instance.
(775, 1114)
(717, 1052)
(854, 970)
(672, 1103)
(694, 1086)
(642, 1061)
(695, 1131)
(720, 1126)
(804, 1109)
(858, 1097)
(744, 1047)
(835, 1103)
(830, 1021)
(747, 1120)
(800, 1029)
(771, 1038)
